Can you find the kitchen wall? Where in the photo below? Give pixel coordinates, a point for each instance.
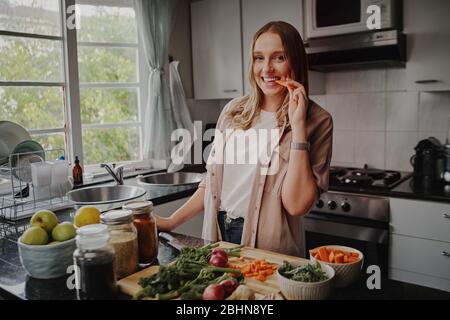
(376, 121)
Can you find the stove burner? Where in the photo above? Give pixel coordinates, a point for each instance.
(358, 180)
(373, 173)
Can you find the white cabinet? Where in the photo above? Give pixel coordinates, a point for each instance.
(420, 242)
(427, 26)
(222, 33)
(421, 219)
(216, 49)
(192, 227)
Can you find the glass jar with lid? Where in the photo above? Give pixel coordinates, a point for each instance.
(123, 239)
(146, 227)
(94, 264)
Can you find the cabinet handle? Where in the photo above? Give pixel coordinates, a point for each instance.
(426, 81)
(446, 254)
(229, 91)
(446, 216)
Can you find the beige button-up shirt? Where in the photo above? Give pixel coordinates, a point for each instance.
(268, 225)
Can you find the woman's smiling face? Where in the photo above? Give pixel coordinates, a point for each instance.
(270, 64)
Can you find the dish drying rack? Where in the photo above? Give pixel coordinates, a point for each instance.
(20, 200)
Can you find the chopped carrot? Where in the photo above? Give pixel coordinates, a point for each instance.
(323, 254)
(339, 258)
(259, 269)
(331, 256)
(334, 255)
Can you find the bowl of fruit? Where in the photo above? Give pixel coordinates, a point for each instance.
(347, 262)
(46, 247)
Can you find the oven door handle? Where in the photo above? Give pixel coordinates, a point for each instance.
(314, 223)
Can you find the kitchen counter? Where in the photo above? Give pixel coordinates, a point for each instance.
(15, 284)
(407, 189)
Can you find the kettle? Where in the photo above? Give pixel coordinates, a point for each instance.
(428, 163)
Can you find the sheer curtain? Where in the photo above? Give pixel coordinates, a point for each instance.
(155, 21)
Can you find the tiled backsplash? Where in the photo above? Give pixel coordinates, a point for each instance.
(377, 122)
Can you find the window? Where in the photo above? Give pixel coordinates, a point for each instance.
(34, 79)
(109, 86)
(31, 68)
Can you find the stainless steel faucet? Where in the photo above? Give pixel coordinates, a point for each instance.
(115, 172)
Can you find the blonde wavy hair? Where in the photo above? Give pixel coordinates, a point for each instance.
(246, 109)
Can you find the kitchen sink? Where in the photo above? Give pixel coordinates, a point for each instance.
(170, 179)
(106, 197)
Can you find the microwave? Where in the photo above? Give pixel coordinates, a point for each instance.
(324, 18)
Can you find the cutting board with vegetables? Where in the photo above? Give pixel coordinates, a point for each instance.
(130, 286)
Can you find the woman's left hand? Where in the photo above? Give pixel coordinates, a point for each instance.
(298, 103)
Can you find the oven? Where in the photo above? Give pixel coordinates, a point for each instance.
(353, 220)
(326, 18)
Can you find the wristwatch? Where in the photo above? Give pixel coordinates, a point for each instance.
(301, 146)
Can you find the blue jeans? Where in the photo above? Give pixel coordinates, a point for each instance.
(231, 229)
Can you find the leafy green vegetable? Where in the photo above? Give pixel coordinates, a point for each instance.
(305, 273)
(188, 276)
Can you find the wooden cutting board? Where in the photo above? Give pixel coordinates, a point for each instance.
(129, 285)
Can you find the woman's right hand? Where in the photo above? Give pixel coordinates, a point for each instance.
(164, 224)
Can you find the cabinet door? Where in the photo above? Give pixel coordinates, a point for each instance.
(423, 219)
(427, 26)
(420, 256)
(216, 49)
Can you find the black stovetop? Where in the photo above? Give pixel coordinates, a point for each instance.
(365, 179)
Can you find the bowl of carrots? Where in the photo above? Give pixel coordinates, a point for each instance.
(347, 262)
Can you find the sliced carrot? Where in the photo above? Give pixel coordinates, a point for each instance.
(282, 82)
(331, 257)
(323, 254)
(339, 258)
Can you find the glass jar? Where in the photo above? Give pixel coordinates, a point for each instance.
(94, 264)
(146, 227)
(123, 239)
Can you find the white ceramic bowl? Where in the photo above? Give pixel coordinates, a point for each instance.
(47, 261)
(346, 273)
(297, 290)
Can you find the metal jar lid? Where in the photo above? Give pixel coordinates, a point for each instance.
(139, 207)
(117, 217)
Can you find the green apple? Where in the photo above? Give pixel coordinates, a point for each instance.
(45, 219)
(64, 231)
(35, 236)
(53, 242)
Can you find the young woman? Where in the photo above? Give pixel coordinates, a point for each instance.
(243, 203)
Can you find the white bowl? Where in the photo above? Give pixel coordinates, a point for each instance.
(298, 290)
(47, 261)
(346, 273)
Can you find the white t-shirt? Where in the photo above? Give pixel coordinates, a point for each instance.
(241, 153)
